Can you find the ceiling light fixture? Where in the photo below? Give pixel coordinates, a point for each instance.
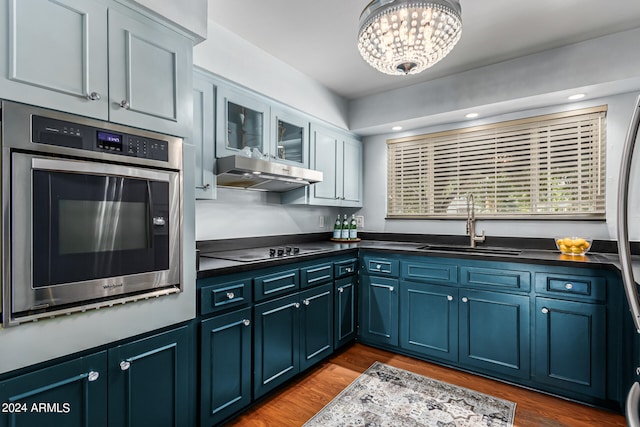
(471, 115)
(396, 128)
(576, 96)
(401, 37)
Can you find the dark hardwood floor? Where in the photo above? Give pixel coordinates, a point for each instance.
(296, 403)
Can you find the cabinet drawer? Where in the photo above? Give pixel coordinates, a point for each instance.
(316, 275)
(226, 295)
(276, 284)
(429, 272)
(495, 278)
(345, 268)
(381, 266)
(572, 286)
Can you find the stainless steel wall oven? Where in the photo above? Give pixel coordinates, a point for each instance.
(91, 213)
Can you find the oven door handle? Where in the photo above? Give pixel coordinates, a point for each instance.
(95, 168)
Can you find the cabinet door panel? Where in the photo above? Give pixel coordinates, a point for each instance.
(226, 365)
(345, 310)
(429, 321)
(352, 176)
(76, 398)
(379, 311)
(150, 76)
(324, 146)
(494, 332)
(55, 67)
(203, 136)
(316, 324)
(276, 343)
(570, 347)
(152, 373)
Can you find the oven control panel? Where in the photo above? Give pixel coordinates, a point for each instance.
(46, 130)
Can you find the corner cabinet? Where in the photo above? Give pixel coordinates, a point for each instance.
(203, 135)
(339, 158)
(104, 61)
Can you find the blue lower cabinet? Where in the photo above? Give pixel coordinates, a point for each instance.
(571, 346)
(225, 369)
(345, 310)
(151, 381)
(378, 310)
(429, 320)
(69, 394)
(494, 332)
(290, 334)
(316, 325)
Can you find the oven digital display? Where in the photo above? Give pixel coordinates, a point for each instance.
(109, 141)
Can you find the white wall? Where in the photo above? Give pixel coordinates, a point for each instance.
(618, 117)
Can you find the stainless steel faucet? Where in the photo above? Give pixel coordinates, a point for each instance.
(471, 222)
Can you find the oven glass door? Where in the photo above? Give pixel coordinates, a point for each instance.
(94, 226)
(87, 231)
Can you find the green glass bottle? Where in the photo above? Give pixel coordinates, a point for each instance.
(337, 228)
(353, 228)
(344, 235)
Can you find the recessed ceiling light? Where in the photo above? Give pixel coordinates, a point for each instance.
(471, 115)
(577, 96)
(396, 128)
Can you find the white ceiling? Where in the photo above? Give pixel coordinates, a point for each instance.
(319, 37)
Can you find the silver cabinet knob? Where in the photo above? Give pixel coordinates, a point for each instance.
(93, 375)
(93, 96)
(390, 288)
(449, 298)
(231, 295)
(124, 365)
(246, 322)
(125, 104)
(341, 290)
(203, 187)
(544, 310)
(348, 269)
(568, 286)
(296, 305)
(378, 266)
(465, 299)
(306, 302)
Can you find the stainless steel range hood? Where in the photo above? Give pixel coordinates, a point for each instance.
(257, 174)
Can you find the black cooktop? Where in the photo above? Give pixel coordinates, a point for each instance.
(258, 254)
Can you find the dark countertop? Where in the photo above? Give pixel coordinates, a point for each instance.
(608, 260)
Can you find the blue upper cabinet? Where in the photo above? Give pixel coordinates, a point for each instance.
(203, 136)
(242, 122)
(339, 158)
(103, 61)
(289, 142)
(54, 54)
(150, 75)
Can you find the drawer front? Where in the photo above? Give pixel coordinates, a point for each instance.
(495, 278)
(429, 272)
(316, 275)
(222, 296)
(276, 284)
(345, 268)
(572, 286)
(381, 266)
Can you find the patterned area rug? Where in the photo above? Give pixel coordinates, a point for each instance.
(390, 397)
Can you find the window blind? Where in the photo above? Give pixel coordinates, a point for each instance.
(550, 166)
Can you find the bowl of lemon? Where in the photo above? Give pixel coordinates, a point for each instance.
(575, 246)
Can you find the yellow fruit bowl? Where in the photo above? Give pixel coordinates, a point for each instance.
(575, 246)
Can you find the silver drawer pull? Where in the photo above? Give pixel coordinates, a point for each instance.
(246, 322)
(465, 299)
(568, 286)
(449, 298)
(306, 302)
(124, 365)
(378, 266)
(93, 375)
(348, 270)
(296, 305)
(545, 310)
(231, 295)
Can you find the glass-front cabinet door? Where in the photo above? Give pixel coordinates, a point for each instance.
(243, 124)
(290, 138)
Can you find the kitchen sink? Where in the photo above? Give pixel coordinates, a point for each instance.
(469, 249)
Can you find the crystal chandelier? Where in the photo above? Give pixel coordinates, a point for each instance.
(408, 36)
